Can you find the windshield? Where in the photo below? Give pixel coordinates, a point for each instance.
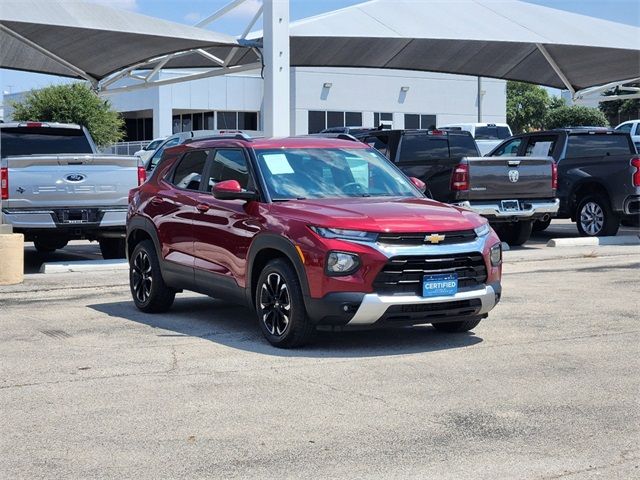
(492, 133)
(331, 173)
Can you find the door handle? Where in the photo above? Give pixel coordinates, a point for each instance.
(156, 200)
(202, 208)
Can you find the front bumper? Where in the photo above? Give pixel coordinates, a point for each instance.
(532, 210)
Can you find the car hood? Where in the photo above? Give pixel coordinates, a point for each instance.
(379, 214)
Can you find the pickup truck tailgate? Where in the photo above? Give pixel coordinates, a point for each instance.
(504, 178)
(45, 181)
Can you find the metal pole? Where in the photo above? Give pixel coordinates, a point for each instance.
(277, 94)
(479, 99)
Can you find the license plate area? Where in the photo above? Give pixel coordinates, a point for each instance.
(75, 216)
(445, 285)
(510, 206)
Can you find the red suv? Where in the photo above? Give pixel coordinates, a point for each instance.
(311, 233)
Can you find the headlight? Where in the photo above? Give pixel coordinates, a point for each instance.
(345, 234)
(482, 230)
(496, 255)
(340, 263)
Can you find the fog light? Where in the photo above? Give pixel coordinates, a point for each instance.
(340, 263)
(496, 255)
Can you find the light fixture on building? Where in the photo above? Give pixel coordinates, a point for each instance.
(404, 89)
(327, 85)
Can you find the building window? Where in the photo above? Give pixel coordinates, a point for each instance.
(227, 120)
(208, 121)
(176, 124)
(197, 121)
(415, 121)
(319, 120)
(353, 119)
(248, 120)
(378, 118)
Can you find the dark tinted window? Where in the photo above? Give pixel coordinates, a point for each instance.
(228, 165)
(227, 121)
(335, 119)
(428, 121)
(42, 141)
(509, 149)
(411, 121)
(590, 145)
(492, 133)
(381, 117)
(380, 143)
(317, 121)
(420, 148)
(188, 173)
(248, 120)
(208, 121)
(353, 119)
(463, 146)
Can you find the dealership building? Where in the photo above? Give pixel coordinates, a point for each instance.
(320, 98)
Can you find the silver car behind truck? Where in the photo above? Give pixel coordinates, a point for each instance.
(56, 187)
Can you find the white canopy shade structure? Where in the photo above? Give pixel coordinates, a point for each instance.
(101, 44)
(505, 39)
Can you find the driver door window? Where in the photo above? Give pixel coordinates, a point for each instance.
(228, 164)
(509, 149)
(540, 147)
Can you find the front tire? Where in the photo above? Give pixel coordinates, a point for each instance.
(150, 293)
(515, 234)
(113, 248)
(280, 306)
(595, 218)
(456, 327)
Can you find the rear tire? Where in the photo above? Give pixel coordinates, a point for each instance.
(49, 246)
(515, 234)
(150, 293)
(113, 248)
(541, 225)
(595, 218)
(280, 306)
(456, 327)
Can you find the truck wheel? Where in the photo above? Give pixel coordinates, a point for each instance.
(515, 234)
(541, 225)
(150, 293)
(113, 248)
(456, 327)
(595, 218)
(48, 246)
(280, 306)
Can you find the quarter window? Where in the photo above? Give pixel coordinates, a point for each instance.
(188, 173)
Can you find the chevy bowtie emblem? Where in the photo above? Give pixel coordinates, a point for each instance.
(434, 238)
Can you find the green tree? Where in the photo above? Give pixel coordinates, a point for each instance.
(526, 106)
(72, 103)
(575, 116)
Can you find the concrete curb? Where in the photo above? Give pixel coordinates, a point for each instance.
(594, 241)
(84, 266)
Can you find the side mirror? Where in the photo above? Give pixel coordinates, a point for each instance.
(231, 190)
(419, 184)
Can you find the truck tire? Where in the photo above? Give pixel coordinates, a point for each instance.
(515, 234)
(49, 246)
(280, 306)
(595, 218)
(456, 327)
(541, 225)
(150, 293)
(113, 248)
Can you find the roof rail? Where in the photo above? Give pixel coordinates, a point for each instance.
(233, 136)
(339, 136)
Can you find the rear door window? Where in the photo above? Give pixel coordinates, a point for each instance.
(423, 148)
(541, 146)
(188, 173)
(598, 145)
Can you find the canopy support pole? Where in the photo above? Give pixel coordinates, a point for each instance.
(52, 56)
(277, 94)
(556, 68)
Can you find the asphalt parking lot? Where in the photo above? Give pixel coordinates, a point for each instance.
(546, 388)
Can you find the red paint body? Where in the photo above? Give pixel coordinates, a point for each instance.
(198, 231)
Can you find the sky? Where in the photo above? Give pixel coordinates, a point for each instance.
(192, 11)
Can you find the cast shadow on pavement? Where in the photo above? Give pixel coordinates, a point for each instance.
(237, 327)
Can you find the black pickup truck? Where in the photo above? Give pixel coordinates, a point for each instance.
(598, 175)
(511, 193)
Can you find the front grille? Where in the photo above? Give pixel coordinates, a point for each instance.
(432, 311)
(403, 275)
(462, 236)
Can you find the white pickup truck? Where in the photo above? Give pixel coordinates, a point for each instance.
(55, 187)
(487, 135)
